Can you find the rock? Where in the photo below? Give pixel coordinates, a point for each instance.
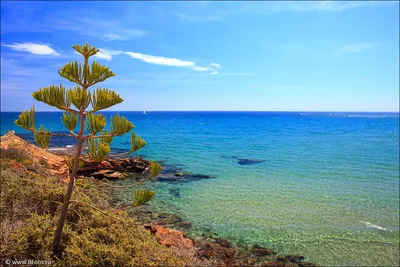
(101, 173)
(210, 250)
(249, 161)
(114, 176)
(129, 168)
(251, 261)
(124, 162)
(185, 225)
(201, 176)
(104, 165)
(56, 162)
(260, 251)
(117, 166)
(223, 242)
(170, 237)
(290, 258)
(175, 192)
(88, 165)
(140, 167)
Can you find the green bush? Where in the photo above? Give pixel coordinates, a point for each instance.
(29, 211)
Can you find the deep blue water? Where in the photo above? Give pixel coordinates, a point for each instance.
(326, 186)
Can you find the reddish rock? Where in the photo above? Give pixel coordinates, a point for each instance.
(104, 165)
(171, 237)
(89, 165)
(101, 173)
(260, 251)
(117, 166)
(225, 255)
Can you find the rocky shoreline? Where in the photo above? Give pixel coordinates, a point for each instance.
(169, 229)
(172, 230)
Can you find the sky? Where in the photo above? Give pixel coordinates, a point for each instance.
(210, 55)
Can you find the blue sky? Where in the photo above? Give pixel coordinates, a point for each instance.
(266, 56)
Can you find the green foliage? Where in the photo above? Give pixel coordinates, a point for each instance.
(120, 125)
(95, 122)
(69, 120)
(141, 197)
(55, 96)
(98, 73)
(84, 76)
(26, 119)
(29, 211)
(69, 161)
(86, 50)
(103, 98)
(79, 97)
(136, 142)
(73, 72)
(42, 137)
(155, 168)
(98, 148)
(106, 136)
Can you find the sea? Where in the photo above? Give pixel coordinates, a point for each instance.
(324, 185)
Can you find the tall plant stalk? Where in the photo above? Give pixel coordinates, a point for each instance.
(98, 138)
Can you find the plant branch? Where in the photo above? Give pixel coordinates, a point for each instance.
(99, 210)
(127, 186)
(52, 134)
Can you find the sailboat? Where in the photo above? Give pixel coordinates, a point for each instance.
(144, 112)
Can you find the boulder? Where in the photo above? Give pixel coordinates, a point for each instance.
(170, 237)
(225, 256)
(101, 173)
(104, 165)
(260, 251)
(114, 176)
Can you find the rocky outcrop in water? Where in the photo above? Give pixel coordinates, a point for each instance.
(113, 168)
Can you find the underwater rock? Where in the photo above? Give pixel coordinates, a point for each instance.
(175, 192)
(223, 242)
(173, 174)
(249, 161)
(224, 256)
(229, 157)
(260, 251)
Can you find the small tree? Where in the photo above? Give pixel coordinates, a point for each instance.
(95, 138)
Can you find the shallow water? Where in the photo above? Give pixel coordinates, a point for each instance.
(328, 187)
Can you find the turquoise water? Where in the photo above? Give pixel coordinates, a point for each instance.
(328, 187)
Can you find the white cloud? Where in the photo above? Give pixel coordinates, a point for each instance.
(215, 65)
(214, 72)
(161, 60)
(107, 54)
(197, 68)
(37, 49)
(354, 48)
(271, 7)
